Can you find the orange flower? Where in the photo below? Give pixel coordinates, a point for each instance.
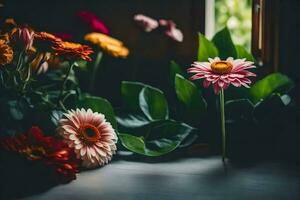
(108, 44)
(73, 51)
(10, 21)
(7, 26)
(45, 41)
(6, 53)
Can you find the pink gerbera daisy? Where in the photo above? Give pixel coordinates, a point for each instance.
(92, 137)
(222, 73)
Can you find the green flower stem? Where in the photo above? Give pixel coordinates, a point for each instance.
(27, 78)
(61, 104)
(95, 69)
(222, 111)
(63, 87)
(19, 62)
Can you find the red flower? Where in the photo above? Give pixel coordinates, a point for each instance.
(93, 21)
(48, 150)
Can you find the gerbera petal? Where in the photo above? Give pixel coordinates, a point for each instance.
(197, 76)
(245, 85)
(92, 151)
(233, 75)
(230, 59)
(245, 80)
(215, 79)
(236, 83)
(78, 146)
(211, 60)
(101, 152)
(216, 88)
(83, 151)
(216, 59)
(247, 73)
(226, 85)
(201, 66)
(206, 83)
(221, 83)
(72, 137)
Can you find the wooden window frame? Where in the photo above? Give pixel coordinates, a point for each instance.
(265, 34)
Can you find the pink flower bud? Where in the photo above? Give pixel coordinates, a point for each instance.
(23, 38)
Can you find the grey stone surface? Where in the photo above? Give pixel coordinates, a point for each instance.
(192, 178)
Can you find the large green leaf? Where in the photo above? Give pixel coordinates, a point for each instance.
(243, 53)
(224, 44)
(161, 139)
(190, 98)
(239, 109)
(174, 69)
(275, 82)
(100, 105)
(130, 94)
(15, 110)
(269, 109)
(206, 49)
(132, 120)
(153, 103)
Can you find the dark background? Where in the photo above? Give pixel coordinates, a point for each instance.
(150, 53)
(289, 38)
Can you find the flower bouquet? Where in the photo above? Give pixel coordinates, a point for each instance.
(40, 93)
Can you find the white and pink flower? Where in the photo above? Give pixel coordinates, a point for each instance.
(146, 22)
(222, 73)
(171, 30)
(92, 137)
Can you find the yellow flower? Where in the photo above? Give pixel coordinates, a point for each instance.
(6, 53)
(108, 44)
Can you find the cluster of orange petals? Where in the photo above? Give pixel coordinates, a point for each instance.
(45, 149)
(73, 51)
(6, 53)
(43, 42)
(46, 39)
(68, 50)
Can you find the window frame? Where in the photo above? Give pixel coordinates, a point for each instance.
(265, 34)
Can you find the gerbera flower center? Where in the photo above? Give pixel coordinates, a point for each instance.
(89, 133)
(221, 67)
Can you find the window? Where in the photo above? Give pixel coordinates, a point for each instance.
(235, 14)
(265, 38)
(252, 23)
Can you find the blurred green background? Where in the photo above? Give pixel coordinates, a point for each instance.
(236, 15)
